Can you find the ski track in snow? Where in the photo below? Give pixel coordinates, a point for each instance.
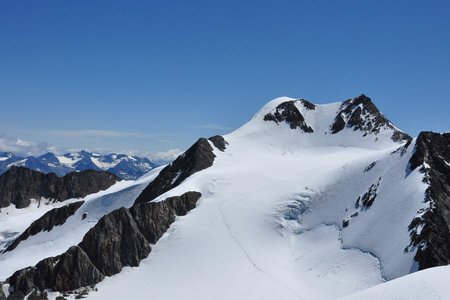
(249, 258)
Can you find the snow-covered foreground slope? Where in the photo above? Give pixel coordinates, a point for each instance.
(270, 222)
(427, 284)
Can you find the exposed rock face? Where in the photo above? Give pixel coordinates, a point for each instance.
(120, 238)
(288, 112)
(369, 197)
(19, 185)
(361, 114)
(308, 105)
(219, 142)
(50, 219)
(154, 218)
(430, 233)
(199, 157)
(114, 242)
(65, 272)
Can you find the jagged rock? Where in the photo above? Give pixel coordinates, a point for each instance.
(219, 142)
(308, 105)
(288, 112)
(184, 203)
(430, 233)
(353, 114)
(2, 295)
(154, 218)
(19, 185)
(16, 296)
(370, 167)
(338, 125)
(199, 157)
(369, 197)
(114, 242)
(120, 238)
(50, 219)
(68, 271)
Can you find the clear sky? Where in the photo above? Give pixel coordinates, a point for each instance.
(156, 75)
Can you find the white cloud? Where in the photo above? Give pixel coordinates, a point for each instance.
(157, 156)
(94, 133)
(22, 147)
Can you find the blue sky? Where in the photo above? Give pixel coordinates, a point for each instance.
(156, 75)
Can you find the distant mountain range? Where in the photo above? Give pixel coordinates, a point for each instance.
(122, 165)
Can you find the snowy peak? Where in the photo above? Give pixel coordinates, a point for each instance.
(355, 122)
(360, 114)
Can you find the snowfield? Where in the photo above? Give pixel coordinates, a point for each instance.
(269, 224)
(279, 218)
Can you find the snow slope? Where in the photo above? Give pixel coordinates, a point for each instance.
(427, 284)
(284, 214)
(270, 222)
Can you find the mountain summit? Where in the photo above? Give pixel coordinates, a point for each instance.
(304, 201)
(354, 122)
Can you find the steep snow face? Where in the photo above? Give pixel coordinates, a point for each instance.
(287, 213)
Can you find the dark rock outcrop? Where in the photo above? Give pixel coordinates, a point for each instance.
(287, 112)
(154, 218)
(114, 242)
(366, 200)
(50, 219)
(120, 238)
(219, 142)
(16, 296)
(65, 272)
(19, 185)
(361, 114)
(307, 104)
(2, 295)
(430, 233)
(198, 157)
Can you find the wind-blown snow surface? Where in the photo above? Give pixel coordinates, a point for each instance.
(270, 222)
(427, 284)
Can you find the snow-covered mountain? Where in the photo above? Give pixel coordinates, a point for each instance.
(122, 165)
(304, 201)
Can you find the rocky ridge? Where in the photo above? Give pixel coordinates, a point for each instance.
(114, 242)
(19, 185)
(430, 232)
